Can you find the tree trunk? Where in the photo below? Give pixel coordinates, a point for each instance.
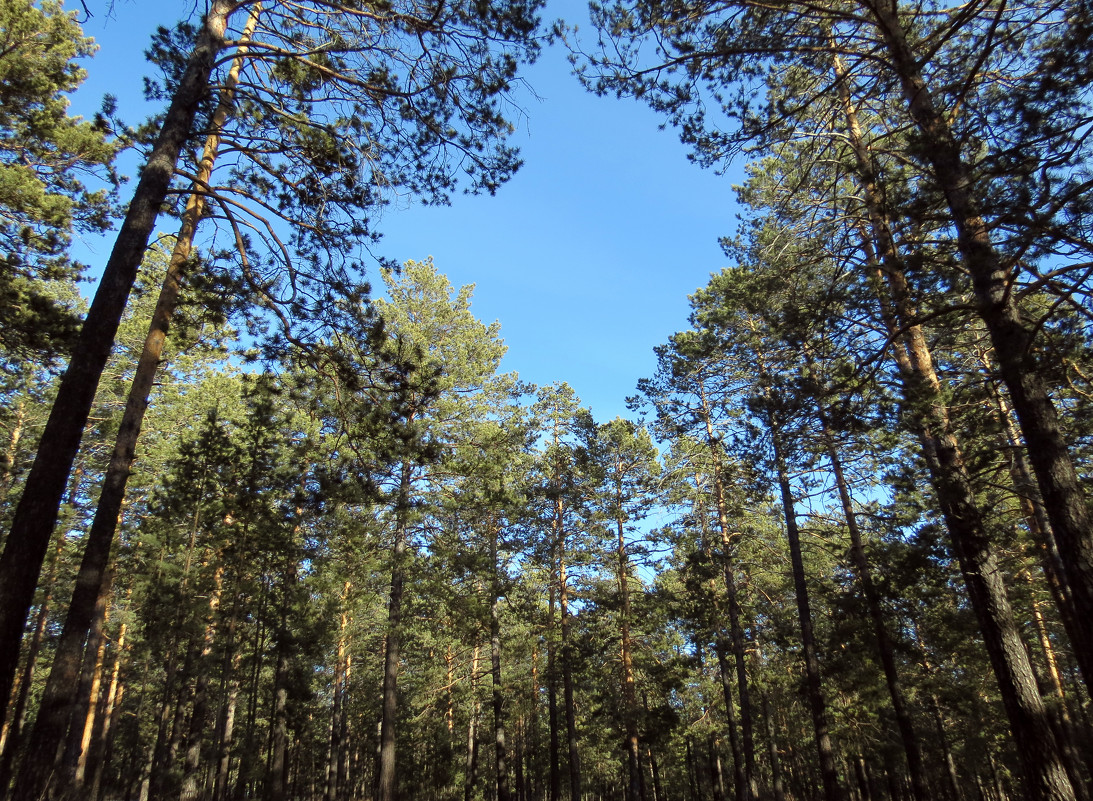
(828, 772)
(103, 744)
(912, 751)
(471, 777)
(337, 710)
(635, 785)
(84, 710)
(1041, 760)
(501, 762)
(1012, 339)
(58, 698)
(275, 781)
(386, 788)
(36, 513)
(567, 679)
(772, 751)
(13, 724)
(749, 790)
(739, 783)
(7, 477)
(555, 782)
(200, 712)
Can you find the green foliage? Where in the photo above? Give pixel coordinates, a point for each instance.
(46, 155)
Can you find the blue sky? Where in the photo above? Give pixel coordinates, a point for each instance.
(586, 257)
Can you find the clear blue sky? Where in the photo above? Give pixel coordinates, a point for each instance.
(586, 257)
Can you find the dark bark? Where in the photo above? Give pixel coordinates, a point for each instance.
(567, 681)
(1040, 757)
(36, 513)
(82, 716)
(1011, 336)
(555, 778)
(60, 697)
(635, 789)
(911, 748)
(103, 742)
(13, 726)
(199, 714)
(817, 705)
(386, 787)
(749, 788)
(275, 781)
(501, 759)
(739, 785)
(772, 751)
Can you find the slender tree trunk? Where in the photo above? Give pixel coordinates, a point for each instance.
(654, 769)
(717, 777)
(1011, 336)
(85, 709)
(337, 711)
(555, 782)
(386, 779)
(635, 785)
(736, 629)
(343, 738)
(739, 783)
(199, 715)
(100, 754)
(501, 760)
(36, 513)
(227, 742)
(471, 778)
(828, 772)
(275, 782)
(567, 679)
(912, 751)
(772, 752)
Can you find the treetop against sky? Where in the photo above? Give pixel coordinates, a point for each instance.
(586, 257)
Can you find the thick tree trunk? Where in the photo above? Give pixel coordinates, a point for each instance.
(1032, 506)
(825, 750)
(1041, 759)
(13, 724)
(36, 514)
(58, 698)
(1011, 337)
